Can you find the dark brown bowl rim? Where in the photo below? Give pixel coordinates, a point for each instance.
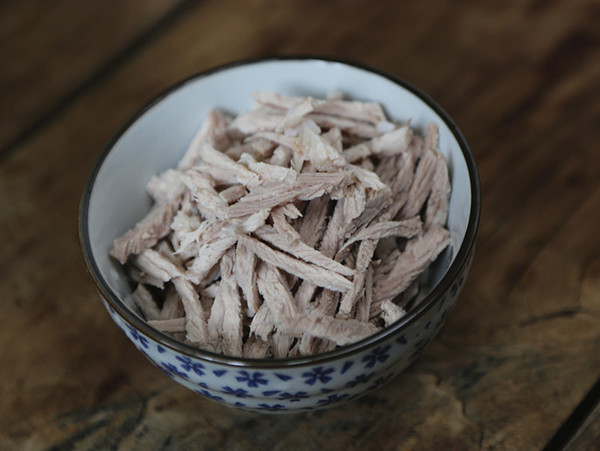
(345, 351)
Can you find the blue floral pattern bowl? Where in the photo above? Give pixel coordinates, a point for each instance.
(155, 138)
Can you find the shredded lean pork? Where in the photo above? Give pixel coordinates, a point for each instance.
(299, 226)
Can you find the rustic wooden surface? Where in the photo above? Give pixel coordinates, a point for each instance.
(520, 351)
(587, 435)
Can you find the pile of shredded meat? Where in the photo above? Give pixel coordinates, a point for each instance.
(297, 227)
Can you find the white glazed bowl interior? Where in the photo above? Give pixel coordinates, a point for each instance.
(156, 138)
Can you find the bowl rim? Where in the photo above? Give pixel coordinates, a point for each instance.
(412, 316)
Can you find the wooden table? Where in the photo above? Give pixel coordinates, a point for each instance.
(515, 366)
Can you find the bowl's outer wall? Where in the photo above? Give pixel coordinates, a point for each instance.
(300, 388)
(155, 138)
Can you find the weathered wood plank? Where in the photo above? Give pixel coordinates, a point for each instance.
(523, 343)
(49, 50)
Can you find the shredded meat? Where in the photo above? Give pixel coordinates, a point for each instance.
(413, 261)
(299, 226)
(391, 312)
(363, 305)
(269, 195)
(146, 233)
(280, 344)
(215, 322)
(168, 325)
(172, 306)
(146, 303)
(262, 324)
(290, 242)
(233, 193)
(314, 221)
(156, 265)
(232, 320)
(437, 204)
(318, 275)
(245, 263)
(363, 111)
(212, 132)
(383, 229)
(364, 257)
(195, 317)
(256, 348)
(340, 331)
(421, 185)
(209, 255)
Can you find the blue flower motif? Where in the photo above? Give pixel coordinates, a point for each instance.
(271, 408)
(456, 286)
(187, 364)
(380, 381)
(252, 379)
(293, 397)
(143, 351)
(378, 354)
(237, 392)
(209, 395)
(421, 344)
(347, 365)
(270, 392)
(317, 374)
(160, 349)
(445, 312)
(172, 370)
(401, 340)
(283, 377)
(360, 379)
(335, 397)
(136, 336)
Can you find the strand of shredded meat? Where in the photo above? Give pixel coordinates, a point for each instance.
(299, 226)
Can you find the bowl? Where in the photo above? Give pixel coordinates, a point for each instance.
(155, 138)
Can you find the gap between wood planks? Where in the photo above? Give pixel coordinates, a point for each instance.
(166, 22)
(568, 429)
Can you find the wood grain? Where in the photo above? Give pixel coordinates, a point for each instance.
(522, 346)
(51, 50)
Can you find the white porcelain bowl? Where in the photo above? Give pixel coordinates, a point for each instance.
(155, 138)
